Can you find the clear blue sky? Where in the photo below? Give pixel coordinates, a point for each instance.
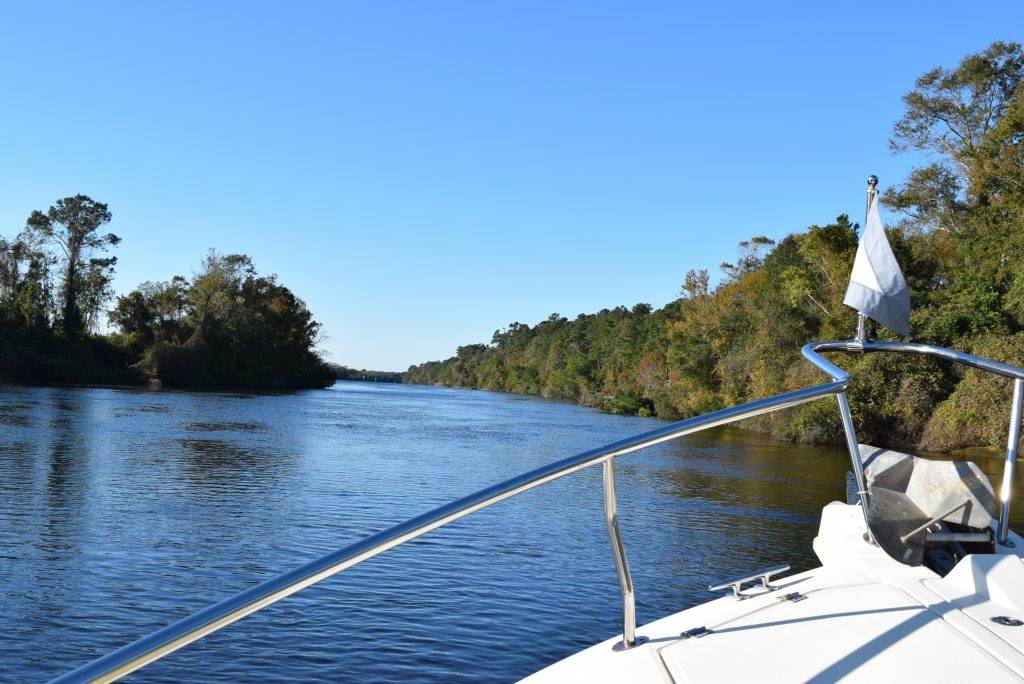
(424, 173)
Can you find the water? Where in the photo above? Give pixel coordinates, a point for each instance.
(124, 510)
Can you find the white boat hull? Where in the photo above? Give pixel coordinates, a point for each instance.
(862, 617)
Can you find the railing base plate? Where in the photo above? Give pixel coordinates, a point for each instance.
(621, 646)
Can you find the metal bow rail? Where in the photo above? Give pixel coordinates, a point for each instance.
(983, 364)
(158, 644)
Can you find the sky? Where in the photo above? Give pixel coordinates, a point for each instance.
(424, 173)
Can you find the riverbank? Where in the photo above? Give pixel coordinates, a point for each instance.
(40, 357)
(818, 423)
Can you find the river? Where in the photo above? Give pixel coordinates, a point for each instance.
(123, 510)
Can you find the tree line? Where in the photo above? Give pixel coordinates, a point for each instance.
(363, 375)
(959, 240)
(225, 326)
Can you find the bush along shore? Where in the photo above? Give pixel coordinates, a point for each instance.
(959, 237)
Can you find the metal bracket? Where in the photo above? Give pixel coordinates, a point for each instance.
(922, 528)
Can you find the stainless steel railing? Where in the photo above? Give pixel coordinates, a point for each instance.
(987, 365)
(158, 644)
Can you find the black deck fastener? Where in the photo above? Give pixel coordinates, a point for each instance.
(695, 633)
(1007, 621)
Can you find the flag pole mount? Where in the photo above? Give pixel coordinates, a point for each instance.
(872, 191)
(862, 318)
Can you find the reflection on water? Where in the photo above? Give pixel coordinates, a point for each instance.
(124, 510)
(225, 427)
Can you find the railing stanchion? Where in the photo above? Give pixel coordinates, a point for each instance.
(611, 519)
(1006, 496)
(855, 460)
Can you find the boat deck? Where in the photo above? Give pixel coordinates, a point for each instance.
(862, 616)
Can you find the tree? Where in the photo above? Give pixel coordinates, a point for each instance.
(997, 178)
(695, 285)
(751, 255)
(95, 289)
(950, 110)
(951, 114)
(226, 326)
(214, 291)
(72, 224)
(25, 292)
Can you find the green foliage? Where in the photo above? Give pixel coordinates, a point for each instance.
(614, 359)
(363, 375)
(37, 355)
(976, 413)
(227, 326)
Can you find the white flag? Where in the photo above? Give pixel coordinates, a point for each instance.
(877, 287)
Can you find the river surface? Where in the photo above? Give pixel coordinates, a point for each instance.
(124, 510)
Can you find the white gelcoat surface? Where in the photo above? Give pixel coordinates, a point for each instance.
(866, 618)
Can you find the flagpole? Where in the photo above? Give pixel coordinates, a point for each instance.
(862, 318)
(872, 191)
